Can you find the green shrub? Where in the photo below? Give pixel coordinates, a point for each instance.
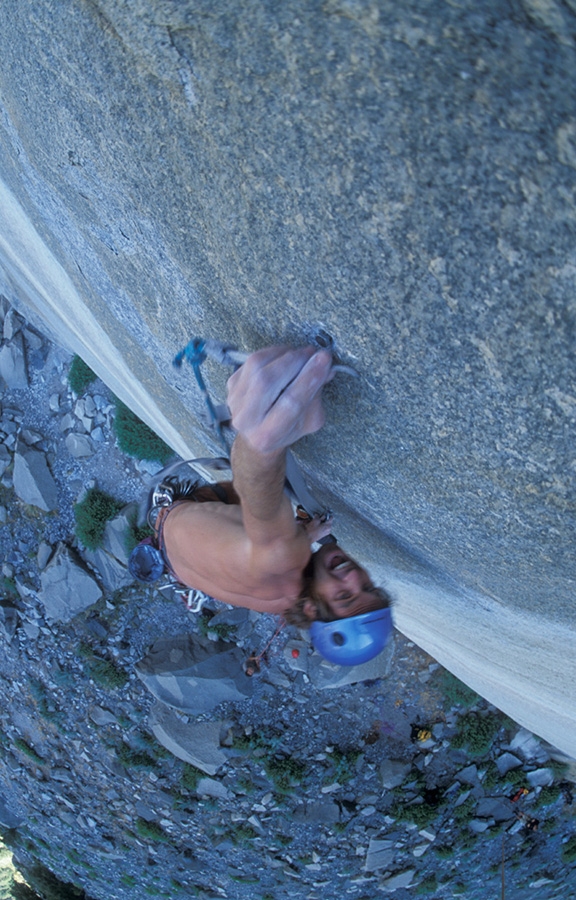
(284, 772)
(150, 831)
(428, 885)
(8, 588)
(28, 751)
(107, 674)
(242, 834)
(136, 533)
(476, 732)
(456, 693)
(547, 795)
(223, 631)
(136, 439)
(92, 514)
(569, 850)
(190, 777)
(515, 776)
(344, 762)
(80, 375)
(465, 811)
(136, 759)
(48, 886)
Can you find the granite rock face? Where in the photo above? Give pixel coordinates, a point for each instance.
(403, 178)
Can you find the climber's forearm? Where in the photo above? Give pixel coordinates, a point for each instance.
(259, 479)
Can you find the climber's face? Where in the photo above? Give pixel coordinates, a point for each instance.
(342, 586)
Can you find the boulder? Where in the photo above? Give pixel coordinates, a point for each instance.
(380, 855)
(529, 746)
(33, 481)
(325, 675)
(395, 882)
(5, 459)
(66, 587)
(194, 674)
(540, 777)
(9, 818)
(13, 367)
(111, 572)
(494, 808)
(8, 620)
(117, 531)
(317, 812)
(79, 445)
(209, 787)
(393, 772)
(506, 762)
(197, 743)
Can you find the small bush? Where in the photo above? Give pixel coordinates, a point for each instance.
(28, 751)
(465, 811)
(190, 777)
(8, 588)
(223, 631)
(428, 885)
(150, 831)
(456, 693)
(547, 795)
(284, 772)
(136, 759)
(476, 732)
(107, 674)
(136, 439)
(136, 533)
(242, 834)
(344, 762)
(569, 850)
(80, 375)
(92, 514)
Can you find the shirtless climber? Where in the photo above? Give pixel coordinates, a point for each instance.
(250, 550)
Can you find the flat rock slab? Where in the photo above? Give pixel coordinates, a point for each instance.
(66, 587)
(111, 572)
(380, 855)
(506, 762)
(395, 882)
(325, 675)
(317, 812)
(393, 772)
(9, 818)
(197, 743)
(193, 674)
(495, 808)
(13, 363)
(33, 480)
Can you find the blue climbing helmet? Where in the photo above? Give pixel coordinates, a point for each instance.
(350, 642)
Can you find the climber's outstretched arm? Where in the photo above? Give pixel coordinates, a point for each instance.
(275, 398)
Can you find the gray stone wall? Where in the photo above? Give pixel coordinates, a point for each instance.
(402, 175)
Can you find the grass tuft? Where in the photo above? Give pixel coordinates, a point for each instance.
(136, 439)
(92, 514)
(80, 375)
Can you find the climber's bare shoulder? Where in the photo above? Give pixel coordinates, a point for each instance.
(208, 549)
